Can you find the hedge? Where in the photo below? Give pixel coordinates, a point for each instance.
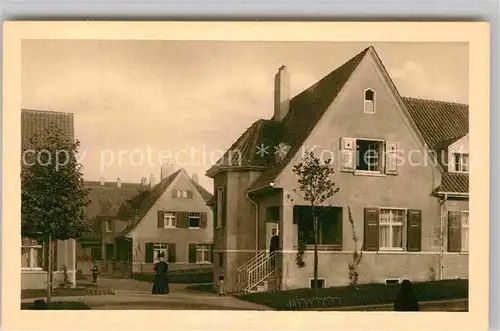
(368, 294)
(181, 276)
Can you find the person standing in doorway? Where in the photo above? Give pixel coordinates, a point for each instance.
(274, 245)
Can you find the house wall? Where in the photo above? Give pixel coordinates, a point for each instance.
(410, 188)
(148, 232)
(66, 256)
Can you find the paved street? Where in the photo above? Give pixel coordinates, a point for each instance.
(134, 294)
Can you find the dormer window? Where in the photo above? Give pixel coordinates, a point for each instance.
(369, 101)
(460, 162)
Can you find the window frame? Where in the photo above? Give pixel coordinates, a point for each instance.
(200, 248)
(404, 225)
(178, 193)
(168, 216)
(108, 226)
(219, 203)
(458, 164)
(462, 227)
(367, 101)
(184, 194)
(32, 247)
(192, 216)
(311, 282)
(380, 156)
(162, 247)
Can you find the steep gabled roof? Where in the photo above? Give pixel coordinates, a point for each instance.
(306, 109)
(452, 182)
(438, 121)
(147, 201)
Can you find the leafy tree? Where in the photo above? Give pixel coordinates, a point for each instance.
(53, 196)
(315, 186)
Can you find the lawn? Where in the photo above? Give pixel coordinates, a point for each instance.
(80, 290)
(58, 305)
(369, 294)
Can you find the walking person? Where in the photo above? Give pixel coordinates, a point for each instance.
(406, 299)
(160, 284)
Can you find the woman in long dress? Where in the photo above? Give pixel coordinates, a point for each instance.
(160, 284)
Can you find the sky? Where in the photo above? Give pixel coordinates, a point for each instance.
(139, 103)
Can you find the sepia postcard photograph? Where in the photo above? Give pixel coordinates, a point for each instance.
(234, 168)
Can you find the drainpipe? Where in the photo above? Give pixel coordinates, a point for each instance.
(256, 223)
(441, 224)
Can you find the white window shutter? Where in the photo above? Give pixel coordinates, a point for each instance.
(391, 158)
(348, 154)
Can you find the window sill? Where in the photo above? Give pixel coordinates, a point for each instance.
(194, 228)
(390, 250)
(368, 173)
(32, 270)
(324, 247)
(203, 262)
(170, 227)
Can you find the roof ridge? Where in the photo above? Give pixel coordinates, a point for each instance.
(46, 111)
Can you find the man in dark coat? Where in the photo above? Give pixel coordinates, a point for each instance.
(274, 246)
(160, 284)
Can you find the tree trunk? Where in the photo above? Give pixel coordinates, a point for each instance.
(49, 271)
(315, 220)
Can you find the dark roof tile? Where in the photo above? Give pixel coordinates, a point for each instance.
(452, 182)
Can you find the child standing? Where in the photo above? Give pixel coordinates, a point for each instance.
(222, 287)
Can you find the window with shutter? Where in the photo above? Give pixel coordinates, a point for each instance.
(391, 158)
(192, 253)
(202, 253)
(203, 221)
(348, 156)
(149, 253)
(174, 193)
(454, 231)
(371, 229)
(414, 230)
(391, 225)
(224, 206)
(171, 253)
(161, 219)
(190, 194)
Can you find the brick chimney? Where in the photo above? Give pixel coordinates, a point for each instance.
(166, 170)
(194, 177)
(152, 181)
(118, 182)
(281, 94)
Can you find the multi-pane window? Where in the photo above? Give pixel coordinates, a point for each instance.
(465, 230)
(159, 249)
(461, 162)
(391, 228)
(109, 226)
(170, 221)
(369, 101)
(31, 255)
(369, 155)
(220, 209)
(179, 193)
(194, 220)
(184, 194)
(202, 253)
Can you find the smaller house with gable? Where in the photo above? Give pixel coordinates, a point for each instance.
(136, 222)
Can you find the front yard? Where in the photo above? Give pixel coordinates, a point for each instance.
(369, 294)
(81, 289)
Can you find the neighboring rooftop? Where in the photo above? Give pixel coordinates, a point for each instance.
(34, 123)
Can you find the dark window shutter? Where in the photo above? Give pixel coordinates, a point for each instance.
(171, 253)
(161, 219)
(224, 206)
(149, 253)
(203, 220)
(295, 215)
(215, 208)
(174, 193)
(190, 194)
(454, 232)
(192, 253)
(210, 257)
(371, 229)
(414, 230)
